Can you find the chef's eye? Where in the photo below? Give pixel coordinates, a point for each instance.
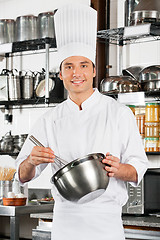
(68, 67)
(83, 66)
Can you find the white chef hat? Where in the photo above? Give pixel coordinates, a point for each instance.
(76, 31)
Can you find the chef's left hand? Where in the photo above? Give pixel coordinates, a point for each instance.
(114, 164)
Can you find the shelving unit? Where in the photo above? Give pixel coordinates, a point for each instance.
(128, 35)
(34, 46)
(116, 35)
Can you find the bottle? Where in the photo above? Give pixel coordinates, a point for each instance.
(16, 186)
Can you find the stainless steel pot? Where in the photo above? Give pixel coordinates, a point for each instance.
(128, 85)
(6, 143)
(26, 28)
(7, 31)
(83, 179)
(132, 72)
(150, 73)
(27, 84)
(14, 86)
(110, 84)
(46, 25)
(148, 16)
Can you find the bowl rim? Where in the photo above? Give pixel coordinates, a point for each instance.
(74, 163)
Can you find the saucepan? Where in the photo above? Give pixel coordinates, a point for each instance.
(83, 179)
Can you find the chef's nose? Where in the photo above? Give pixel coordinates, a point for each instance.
(76, 72)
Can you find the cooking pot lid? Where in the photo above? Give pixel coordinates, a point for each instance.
(40, 91)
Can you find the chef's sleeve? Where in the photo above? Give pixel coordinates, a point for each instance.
(132, 149)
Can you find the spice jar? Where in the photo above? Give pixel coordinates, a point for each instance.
(151, 144)
(140, 119)
(152, 112)
(151, 130)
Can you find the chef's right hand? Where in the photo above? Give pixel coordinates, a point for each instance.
(41, 155)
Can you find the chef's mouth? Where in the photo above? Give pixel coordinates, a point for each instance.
(77, 82)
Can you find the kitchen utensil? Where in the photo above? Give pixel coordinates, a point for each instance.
(128, 85)
(18, 141)
(27, 83)
(129, 8)
(26, 28)
(109, 84)
(5, 187)
(14, 201)
(4, 95)
(7, 30)
(40, 91)
(148, 5)
(83, 179)
(144, 16)
(132, 72)
(14, 85)
(150, 73)
(57, 159)
(6, 143)
(46, 25)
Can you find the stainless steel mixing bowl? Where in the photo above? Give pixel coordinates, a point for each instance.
(83, 179)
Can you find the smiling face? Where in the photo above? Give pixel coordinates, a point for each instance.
(77, 73)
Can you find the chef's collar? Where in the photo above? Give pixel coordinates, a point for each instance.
(91, 101)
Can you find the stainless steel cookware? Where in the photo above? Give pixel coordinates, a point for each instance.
(132, 72)
(144, 16)
(83, 179)
(150, 73)
(58, 161)
(110, 84)
(18, 141)
(14, 86)
(6, 143)
(27, 84)
(46, 25)
(26, 28)
(7, 31)
(128, 85)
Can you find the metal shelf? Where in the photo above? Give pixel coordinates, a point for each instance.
(116, 35)
(34, 44)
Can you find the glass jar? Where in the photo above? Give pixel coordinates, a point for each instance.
(151, 130)
(151, 144)
(140, 119)
(152, 112)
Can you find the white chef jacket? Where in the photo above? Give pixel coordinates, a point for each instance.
(103, 125)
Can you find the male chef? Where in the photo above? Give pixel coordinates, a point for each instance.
(87, 122)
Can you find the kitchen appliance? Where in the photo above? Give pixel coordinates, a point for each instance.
(26, 28)
(46, 25)
(7, 30)
(145, 198)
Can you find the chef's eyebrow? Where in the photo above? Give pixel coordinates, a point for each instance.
(84, 62)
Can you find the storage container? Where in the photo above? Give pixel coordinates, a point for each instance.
(152, 112)
(151, 144)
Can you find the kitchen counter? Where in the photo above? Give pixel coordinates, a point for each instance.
(135, 227)
(14, 213)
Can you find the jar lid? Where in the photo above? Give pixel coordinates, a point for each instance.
(155, 124)
(154, 139)
(151, 104)
(131, 106)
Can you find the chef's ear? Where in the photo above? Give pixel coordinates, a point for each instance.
(60, 75)
(94, 70)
